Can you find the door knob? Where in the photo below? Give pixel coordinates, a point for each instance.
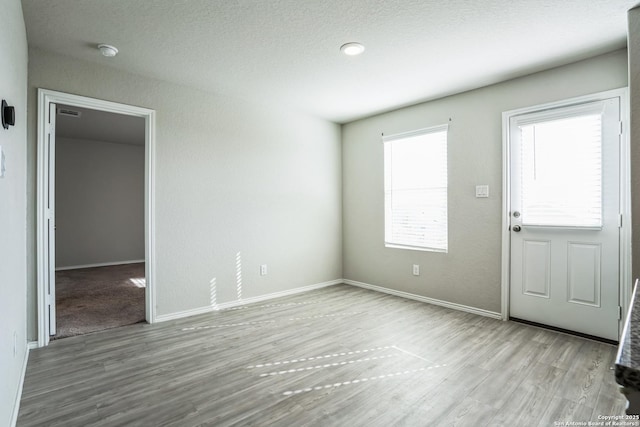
(516, 228)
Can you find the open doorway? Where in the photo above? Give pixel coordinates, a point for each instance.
(99, 220)
(99, 240)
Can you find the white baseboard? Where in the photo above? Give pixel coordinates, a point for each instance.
(252, 300)
(32, 345)
(182, 314)
(428, 300)
(100, 264)
(16, 405)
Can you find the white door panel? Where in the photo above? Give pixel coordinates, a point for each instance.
(565, 207)
(584, 273)
(536, 268)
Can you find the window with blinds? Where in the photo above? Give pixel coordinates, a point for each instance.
(415, 183)
(562, 172)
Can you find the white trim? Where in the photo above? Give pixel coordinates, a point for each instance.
(150, 217)
(185, 313)
(46, 97)
(415, 248)
(625, 193)
(252, 300)
(32, 345)
(16, 405)
(441, 303)
(506, 220)
(41, 250)
(626, 279)
(100, 264)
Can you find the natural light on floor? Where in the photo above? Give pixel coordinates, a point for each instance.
(140, 282)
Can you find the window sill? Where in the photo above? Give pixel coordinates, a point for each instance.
(415, 248)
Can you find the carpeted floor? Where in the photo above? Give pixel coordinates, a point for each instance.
(93, 299)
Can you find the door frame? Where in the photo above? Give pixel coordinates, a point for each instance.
(45, 98)
(625, 284)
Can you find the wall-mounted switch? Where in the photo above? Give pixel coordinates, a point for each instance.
(482, 191)
(416, 269)
(263, 270)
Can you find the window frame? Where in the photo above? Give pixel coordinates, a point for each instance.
(389, 242)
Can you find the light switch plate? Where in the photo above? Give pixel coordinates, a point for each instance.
(482, 191)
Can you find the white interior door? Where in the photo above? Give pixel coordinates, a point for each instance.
(565, 217)
(50, 234)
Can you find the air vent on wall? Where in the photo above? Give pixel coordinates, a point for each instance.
(68, 112)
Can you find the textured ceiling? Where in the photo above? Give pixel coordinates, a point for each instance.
(286, 52)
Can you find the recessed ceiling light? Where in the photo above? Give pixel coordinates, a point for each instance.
(108, 50)
(352, 48)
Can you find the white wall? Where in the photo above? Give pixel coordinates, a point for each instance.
(99, 202)
(13, 208)
(232, 176)
(470, 273)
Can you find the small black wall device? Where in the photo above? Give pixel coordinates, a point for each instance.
(8, 115)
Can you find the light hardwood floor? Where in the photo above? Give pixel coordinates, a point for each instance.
(339, 356)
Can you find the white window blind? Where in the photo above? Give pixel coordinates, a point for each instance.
(562, 172)
(415, 165)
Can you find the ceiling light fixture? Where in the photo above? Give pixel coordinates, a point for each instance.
(108, 50)
(352, 48)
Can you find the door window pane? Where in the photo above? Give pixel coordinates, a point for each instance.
(562, 172)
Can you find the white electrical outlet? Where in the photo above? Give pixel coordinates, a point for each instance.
(263, 270)
(416, 269)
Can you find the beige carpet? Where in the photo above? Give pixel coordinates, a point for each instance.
(94, 299)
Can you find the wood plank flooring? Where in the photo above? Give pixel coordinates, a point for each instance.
(332, 357)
